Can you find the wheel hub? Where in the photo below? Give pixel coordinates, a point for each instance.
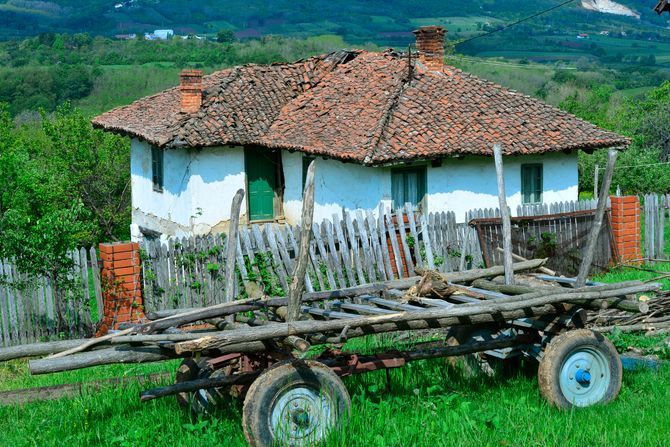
(585, 376)
(301, 416)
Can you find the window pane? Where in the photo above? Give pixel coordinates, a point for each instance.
(408, 185)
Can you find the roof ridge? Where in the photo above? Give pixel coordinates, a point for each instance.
(387, 114)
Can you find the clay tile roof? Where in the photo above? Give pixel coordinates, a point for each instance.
(359, 106)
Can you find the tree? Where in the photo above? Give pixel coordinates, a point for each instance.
(225, 36)
(92, 167)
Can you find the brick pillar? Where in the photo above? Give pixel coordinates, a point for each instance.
(190, 88)
(122, 285)
(626, 227)
(430, 45)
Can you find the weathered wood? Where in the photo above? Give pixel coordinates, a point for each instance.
(36, 349)
(344, 251)
(471, 275)
(231, 246)
(452, 315)
(121, 354)
(198, 384)
(585, 266)
(155, 338)
(505, 214)
(543, 269)
(96, 282)
(353, 242)
(300, 268)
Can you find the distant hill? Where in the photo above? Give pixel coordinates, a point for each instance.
(379, 21)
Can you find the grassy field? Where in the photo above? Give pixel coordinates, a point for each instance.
(428, 404)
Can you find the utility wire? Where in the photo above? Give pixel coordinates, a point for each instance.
(510, 25)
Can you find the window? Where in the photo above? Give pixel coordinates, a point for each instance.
(306, 160)
(531, 183)
(157, 168)
(408, 185)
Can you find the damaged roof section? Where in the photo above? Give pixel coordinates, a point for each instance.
(366, 107)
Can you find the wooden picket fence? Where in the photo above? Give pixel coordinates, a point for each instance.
(655, 207)
(347, 250)
(557, 231)
(30, 309)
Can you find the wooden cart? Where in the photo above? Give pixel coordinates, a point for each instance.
(289, 373)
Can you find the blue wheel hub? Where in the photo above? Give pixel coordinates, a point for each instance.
(585, 376)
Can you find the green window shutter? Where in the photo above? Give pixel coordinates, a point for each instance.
(531, 183)
(261, 167)
(157, 168)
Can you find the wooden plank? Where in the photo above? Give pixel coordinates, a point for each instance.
(327, 232)
(5, 319)
(263, 251)
(326, 313)
(247, 249)
(384, 242)
(353, 243)
(344, 250)
(400, 219)
(585, 266)
(412, 228)
(11, 302)
(239, 257)
(376, 246)
(426, 242)
(393, 237)
(97, 287)
(324, 258)
(18, 303)
(312, 257)
(367, 250)
(280, 267)
(83, 261)
(294, 296)
(390, 304)
(362, 308)
(50, 304)
(504, 210)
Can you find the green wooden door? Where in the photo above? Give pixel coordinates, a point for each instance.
(261, 166)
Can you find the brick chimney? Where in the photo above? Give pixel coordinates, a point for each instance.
(190, 88)
(430, 45)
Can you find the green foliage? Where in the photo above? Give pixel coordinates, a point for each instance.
(225, 36)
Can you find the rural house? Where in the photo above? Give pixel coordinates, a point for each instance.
(385, 128)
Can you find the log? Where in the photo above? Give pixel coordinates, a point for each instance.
(452, 314)
(516, 257)
(471, 275)
(516, 289)
(156, 338)
(120, 354)
(505, 216)
(297, 285)
(124, 354)
(634, 327)
(37, 349)
(231, 246)
(585, 266)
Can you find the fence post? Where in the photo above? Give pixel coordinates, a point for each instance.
(122, 286)
(626, 227)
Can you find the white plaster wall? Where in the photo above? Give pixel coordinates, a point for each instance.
(460, 185)
(338, 185)
(198, 187)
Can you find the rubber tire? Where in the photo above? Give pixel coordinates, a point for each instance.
(256, 413)
(556, 353)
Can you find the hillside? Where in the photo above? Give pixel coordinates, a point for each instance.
(383, 22)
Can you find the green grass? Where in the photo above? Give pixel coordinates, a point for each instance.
(427, 404)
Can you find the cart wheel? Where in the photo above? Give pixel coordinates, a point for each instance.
(201, 401)
(580, 368)
(294, 403)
